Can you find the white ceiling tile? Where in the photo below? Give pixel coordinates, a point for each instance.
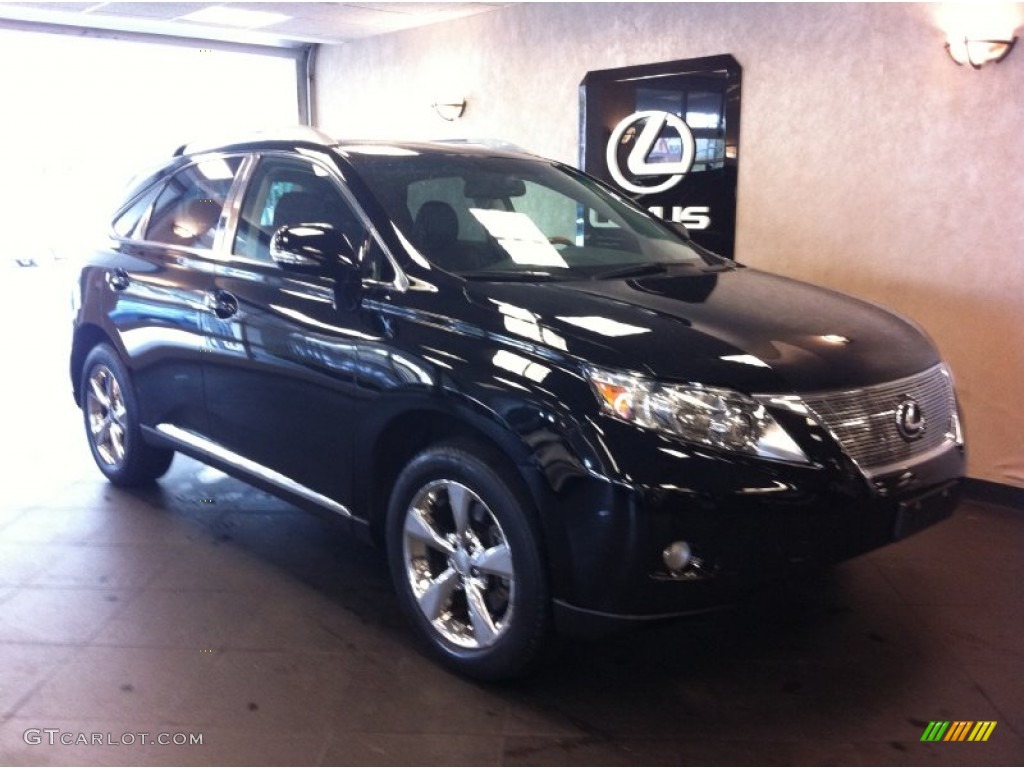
(328, 22)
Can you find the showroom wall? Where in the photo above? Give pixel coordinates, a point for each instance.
(869, 161)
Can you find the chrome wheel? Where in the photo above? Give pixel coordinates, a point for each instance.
(459, 564)
(107, 415)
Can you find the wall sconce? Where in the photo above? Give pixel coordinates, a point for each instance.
(451, 108)
(977, 53)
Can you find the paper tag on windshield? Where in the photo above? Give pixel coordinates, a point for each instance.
(520, 237)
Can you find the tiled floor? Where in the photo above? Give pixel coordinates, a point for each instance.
(278, 639)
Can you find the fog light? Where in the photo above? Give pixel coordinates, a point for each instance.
(677, 556)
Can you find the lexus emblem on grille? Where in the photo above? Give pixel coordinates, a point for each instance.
(909, 419)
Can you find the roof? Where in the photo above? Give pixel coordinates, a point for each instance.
(309, 136)
(295, 134)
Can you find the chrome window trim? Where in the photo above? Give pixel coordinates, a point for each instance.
(202, 253)
(400, 283)
(228, 222)
(144, 218)
(226, 455)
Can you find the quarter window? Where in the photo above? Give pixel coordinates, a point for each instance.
(129, 224)
(189, 206)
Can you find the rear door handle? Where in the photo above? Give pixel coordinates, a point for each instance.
(117, 279)
(222, 304)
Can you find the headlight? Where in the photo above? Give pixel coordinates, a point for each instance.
(720, 418)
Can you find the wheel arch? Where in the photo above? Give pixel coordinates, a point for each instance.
(545, 449)
(86, 338)
(420, 426)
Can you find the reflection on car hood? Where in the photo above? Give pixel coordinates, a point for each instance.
(742, 328)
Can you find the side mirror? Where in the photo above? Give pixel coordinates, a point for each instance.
(317, 249)
(320, 249)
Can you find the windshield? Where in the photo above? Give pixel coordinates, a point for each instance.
(517, 218)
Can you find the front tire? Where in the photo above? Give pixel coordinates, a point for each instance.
(466, 562)
(111, 414)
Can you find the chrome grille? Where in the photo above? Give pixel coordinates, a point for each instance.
(864, 420)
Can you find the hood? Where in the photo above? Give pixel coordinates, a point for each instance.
(740, 328)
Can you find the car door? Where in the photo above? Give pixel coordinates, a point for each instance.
(278, 370)
(159, 280)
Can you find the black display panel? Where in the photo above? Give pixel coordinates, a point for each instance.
(667, 135)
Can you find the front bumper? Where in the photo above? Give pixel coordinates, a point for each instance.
(744, 520)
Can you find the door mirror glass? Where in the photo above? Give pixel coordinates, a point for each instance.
(320, 249)
(317, 249)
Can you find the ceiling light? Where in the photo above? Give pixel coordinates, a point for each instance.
(225, 16)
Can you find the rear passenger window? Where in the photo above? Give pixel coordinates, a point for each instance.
(189, 206)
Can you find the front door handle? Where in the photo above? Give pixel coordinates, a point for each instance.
(222, 304)
(117, 279)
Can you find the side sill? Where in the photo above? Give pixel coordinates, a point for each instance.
(200, 446)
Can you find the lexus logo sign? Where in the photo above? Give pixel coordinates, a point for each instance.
(667, 135)
(638, 162)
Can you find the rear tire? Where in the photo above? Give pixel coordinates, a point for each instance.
(466, 562)
(111, 413)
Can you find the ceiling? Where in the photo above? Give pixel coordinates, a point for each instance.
(328, 23)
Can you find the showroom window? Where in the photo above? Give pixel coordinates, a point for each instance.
(81, 166)
(188, 209)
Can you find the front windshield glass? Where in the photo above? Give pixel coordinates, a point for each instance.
(517, 218)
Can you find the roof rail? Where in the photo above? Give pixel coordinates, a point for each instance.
(290, 133)
(498, 144)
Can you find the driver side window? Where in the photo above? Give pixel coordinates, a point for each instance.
(287, 191)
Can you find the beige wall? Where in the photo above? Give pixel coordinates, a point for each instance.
(869, 162)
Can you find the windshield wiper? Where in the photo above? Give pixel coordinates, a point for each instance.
(631, 270)
(511, 275)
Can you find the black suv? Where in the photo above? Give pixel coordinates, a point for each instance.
(552, 408)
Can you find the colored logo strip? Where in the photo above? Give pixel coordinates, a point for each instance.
(958, 730)
(982, 730)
